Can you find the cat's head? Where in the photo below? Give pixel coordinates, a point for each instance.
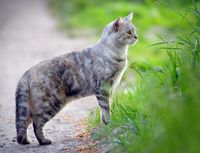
(120, 32)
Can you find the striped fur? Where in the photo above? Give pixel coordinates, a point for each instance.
(45, 88)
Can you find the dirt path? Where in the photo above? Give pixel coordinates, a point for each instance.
(28, 35)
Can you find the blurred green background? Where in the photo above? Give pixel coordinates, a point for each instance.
(152, 19)
(160, 110)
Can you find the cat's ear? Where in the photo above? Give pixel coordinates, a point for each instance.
(129, 17)
(117, 23)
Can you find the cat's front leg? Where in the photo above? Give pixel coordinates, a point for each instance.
(103, 101)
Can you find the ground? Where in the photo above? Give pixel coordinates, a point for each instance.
(28, 35)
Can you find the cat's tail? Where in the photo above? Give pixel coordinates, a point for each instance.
(22, 110)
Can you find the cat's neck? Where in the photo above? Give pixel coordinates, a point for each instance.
(118, 50)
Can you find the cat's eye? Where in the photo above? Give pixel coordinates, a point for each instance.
(129, 32)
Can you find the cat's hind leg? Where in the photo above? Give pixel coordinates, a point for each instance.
(46, 110)
(40, 119)
(38, 123)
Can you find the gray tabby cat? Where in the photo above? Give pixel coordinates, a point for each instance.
(45, 88)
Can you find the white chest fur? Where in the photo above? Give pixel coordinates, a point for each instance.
(118, 76)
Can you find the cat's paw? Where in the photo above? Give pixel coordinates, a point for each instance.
(105, 120)
(25, 142)
(45, 142)
(22, 140)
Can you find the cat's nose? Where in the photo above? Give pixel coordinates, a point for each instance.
(135, 37)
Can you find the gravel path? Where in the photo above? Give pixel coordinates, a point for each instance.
(28, 35)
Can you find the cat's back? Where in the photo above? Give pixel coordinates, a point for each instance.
(45, 71)
(51, 65)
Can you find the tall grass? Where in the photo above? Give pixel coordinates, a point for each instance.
(161, 112)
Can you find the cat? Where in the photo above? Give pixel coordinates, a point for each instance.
(45, 88)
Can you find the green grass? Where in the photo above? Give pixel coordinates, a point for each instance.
(160, 111)
(160, 114)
